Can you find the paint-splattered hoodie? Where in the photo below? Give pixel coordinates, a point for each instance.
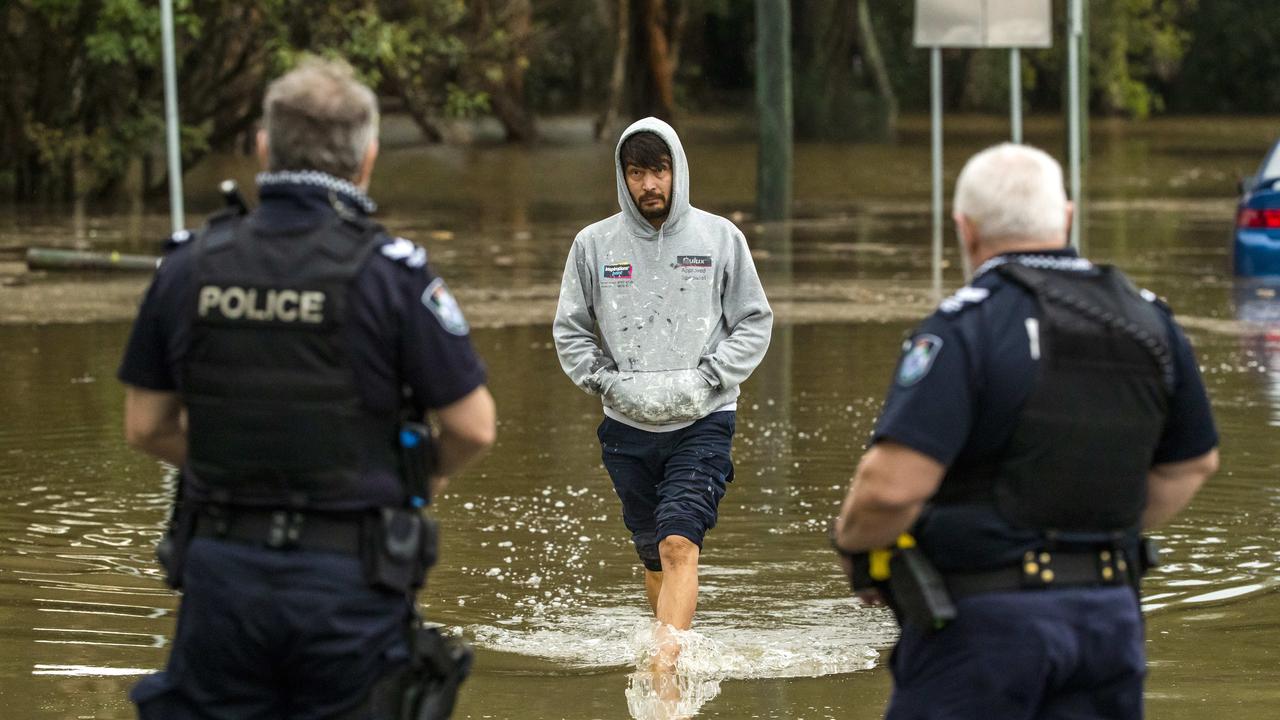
(666, 323)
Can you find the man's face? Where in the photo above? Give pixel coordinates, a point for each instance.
(651, 190)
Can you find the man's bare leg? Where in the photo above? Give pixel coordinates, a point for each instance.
(677, 596)
(652, 586)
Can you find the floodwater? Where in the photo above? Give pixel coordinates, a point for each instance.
(537, 570)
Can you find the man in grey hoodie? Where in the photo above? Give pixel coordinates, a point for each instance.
(662, 315)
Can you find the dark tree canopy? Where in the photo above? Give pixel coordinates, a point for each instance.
(81, 100)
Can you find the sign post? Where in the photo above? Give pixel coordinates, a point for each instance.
(1074, 35)
(171, 116)
(1015, 95)
(935, 107)
(1009, 24)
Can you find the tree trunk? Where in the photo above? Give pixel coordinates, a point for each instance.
(677, 35)
(507, 101)
(825, 102)
(661, 69)
(651, 63)
(773, 109)
(417, 108)
(516, 119)
(618, 77)
(875, 62)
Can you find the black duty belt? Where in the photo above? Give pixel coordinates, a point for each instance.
(1046, 570)
(283, 529)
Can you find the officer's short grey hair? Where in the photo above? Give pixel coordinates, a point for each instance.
(1013, 192)
(318, 116)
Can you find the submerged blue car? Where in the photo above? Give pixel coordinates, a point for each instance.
(1257, 235)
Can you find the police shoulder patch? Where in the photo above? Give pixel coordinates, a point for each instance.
(404, 251)
(917, 360)
(442, 304)
(964, 297)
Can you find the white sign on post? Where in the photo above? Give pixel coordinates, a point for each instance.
(949, 23)
(984, 23)
(1009, 24)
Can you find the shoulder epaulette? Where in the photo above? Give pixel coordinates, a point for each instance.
(177, 240)
(1155, 300)
(966, 296)
(405, 252)
(225, 214)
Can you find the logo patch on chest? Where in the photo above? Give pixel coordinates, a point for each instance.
(693, 261)
(617, 271)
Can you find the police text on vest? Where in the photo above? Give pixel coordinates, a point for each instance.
(263, 305)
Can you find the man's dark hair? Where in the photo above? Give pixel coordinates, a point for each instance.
(645, 149)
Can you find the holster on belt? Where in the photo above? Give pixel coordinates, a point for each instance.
(171, 551)
(438, 665)
(917, 593)
(399, 546)
(1148, 556)
(907, 581)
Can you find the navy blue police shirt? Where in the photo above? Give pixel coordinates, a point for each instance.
(963, 378)
(407, 338)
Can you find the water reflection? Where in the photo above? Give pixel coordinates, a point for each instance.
(668, 696)
(1257, 304)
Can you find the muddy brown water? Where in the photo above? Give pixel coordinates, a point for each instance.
(537, 570)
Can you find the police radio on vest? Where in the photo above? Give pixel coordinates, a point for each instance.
(265, 305)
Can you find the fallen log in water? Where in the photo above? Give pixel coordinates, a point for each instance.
(55, 259)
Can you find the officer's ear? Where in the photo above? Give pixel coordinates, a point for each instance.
(366, 165)
(967, 232)
(264, 149)
(1071, 216)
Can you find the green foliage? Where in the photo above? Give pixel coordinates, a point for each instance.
(571, 61)
(81, 84)
(420, 57)
(1136, 46)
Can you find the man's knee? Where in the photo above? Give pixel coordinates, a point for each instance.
(677, 551)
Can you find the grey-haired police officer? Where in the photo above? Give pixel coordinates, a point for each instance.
(273, 360)
(1043, 417)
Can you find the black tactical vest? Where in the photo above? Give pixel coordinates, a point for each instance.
(1078, 458)
(274, 416)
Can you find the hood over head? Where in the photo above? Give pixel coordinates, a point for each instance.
(636, 222)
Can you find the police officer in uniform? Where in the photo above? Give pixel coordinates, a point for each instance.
(273, 360)
(1039, 420)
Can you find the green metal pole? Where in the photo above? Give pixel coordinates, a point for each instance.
(935, 136)
(1082, 205)
(1075, 30)
(176, 212)
(55, 259)
(1015, 95)
(773, 109)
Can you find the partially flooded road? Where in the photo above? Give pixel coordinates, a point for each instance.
(537, 570)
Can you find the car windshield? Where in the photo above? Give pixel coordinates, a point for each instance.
(1271, 166)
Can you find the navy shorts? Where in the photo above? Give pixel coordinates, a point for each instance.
(267, 634)
(1029, 655)
(670, 483)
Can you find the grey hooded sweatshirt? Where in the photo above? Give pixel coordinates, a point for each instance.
(663, 324)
